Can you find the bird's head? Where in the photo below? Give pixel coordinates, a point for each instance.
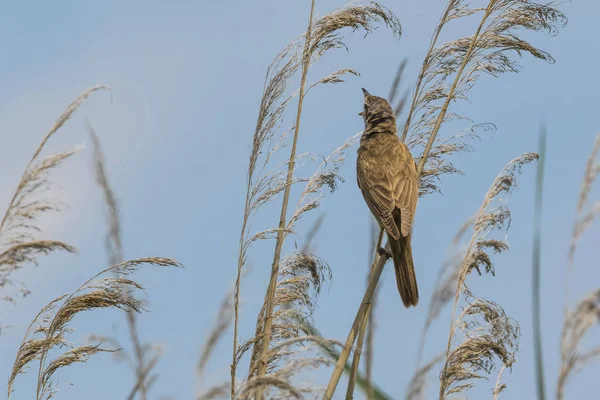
(377, 114)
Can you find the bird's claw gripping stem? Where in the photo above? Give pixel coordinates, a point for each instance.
(384, 252)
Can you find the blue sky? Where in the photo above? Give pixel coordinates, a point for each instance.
(187, 79)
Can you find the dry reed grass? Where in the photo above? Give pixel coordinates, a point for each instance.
(144, 356)
(485, 329)
(586, 313)
(321, 36)
(48, 330)
(19, 230)
(299, 282)
(47, 333)
(318, 40)
(285, 342)
(449, 71)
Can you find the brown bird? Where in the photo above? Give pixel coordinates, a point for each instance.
(387, 176)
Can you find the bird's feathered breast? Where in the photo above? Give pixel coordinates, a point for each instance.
(387, 177)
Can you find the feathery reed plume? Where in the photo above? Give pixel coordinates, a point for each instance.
(584, 220)
(327, 347)
(320, 37)
(418, 383)
(587, 311)
(222, 323)
(444, 286)
(575, 327)
(18, 228)
(268, 307)
(304, 359)
(450, 7)
(48, 329)
(486, 330)
(488, 333)
(466, 59)
(302, 273)
(450, 71)
(145, 355)
(217, 392)
(299, 282)
(114, 245)
(262, 187)
(438, 162)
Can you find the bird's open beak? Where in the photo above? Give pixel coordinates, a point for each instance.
(365, 92)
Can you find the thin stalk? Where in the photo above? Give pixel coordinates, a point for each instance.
(422, 163)
(51, 331)
(361, 333)
(440, 119)
(537, 331)
(360, 315)
(434, 132)
(57, 125)
(144, 373)
(369, 353)
(370, 334)
(357, 354)
(141, 369)
(236, 296)
(434, 39)
(241, 249)
(115, 255)
(270, 297)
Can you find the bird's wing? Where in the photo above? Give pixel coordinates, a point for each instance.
(374, 181)
(405, 185)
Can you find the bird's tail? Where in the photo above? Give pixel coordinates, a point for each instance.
(405, 269)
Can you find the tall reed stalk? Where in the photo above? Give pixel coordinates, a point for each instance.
(144, 356)
(270, 296)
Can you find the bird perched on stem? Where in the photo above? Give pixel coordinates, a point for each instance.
(387, 176)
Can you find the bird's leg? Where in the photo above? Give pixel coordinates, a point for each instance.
(380, 250)
(380, 239)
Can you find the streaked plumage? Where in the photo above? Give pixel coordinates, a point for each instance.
(387, 177)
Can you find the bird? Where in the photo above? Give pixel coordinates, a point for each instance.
(387, 177)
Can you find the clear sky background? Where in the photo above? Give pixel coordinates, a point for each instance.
(187, 77)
